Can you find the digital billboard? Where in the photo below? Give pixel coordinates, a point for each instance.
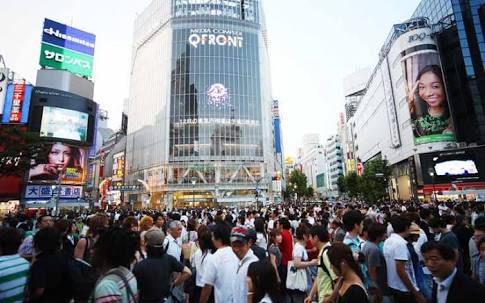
(234, 9)
(63, 123)
(60, 163)
(425, 88)
(67, 48)
(17, 103)
(59, 116)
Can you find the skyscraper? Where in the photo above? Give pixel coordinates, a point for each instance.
(200, 123)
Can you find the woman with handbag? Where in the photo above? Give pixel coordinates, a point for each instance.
(350, 287)
(299, 280)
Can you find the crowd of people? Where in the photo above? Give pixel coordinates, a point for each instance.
(344, 251)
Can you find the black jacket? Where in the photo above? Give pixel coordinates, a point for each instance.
(462, 290)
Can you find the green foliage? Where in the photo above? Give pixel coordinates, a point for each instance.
(297, 183)
(309, 192)
(342, 188)
(371, 186)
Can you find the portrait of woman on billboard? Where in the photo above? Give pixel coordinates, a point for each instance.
(59, 161)
(427, 101)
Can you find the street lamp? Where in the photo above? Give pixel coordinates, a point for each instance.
(432, 174)
(194, 180)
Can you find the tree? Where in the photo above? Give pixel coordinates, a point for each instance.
(342, 188)
(375, 180)
(18, 149)
(353, 185)
(309, 192)
(297, 183)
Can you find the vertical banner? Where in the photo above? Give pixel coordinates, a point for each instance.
(17, 102)
(425, 88)
(3, 87)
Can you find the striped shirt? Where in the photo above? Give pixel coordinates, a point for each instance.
(13, 278)
(111, 287)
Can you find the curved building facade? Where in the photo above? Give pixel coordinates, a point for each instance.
(200, 126)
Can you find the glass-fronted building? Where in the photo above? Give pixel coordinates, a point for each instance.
(200, 125)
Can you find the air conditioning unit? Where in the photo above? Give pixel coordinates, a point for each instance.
(462, 144)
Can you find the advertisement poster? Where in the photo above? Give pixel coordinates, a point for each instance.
(64, 124)
(60, 162)
(118, 167)
(427, 100)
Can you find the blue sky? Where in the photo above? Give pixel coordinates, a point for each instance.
(313, 45)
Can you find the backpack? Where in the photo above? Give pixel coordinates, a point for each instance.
(83, 277)
(324, 267)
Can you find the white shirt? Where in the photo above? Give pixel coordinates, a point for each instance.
(174, 248)
(417, 245)
(220, 272)
(240, 287)
(261, 241)
(199, 262)
(395, 249)
(443, 287)
(300, 252)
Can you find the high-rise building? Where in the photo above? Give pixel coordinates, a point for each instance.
(434, 142)
(334, 161)
(200, 125)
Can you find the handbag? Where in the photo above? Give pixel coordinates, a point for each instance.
(296, 279)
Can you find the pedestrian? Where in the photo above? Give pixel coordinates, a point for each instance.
(49, 276)
(240, 244)
(112, 255)
(301, 262)
(68, 244)
(286, 247)
(477, 265)
(221, 268)
(261, 236)
(14, 269)
(376, 263)
(262, 284)
(153, 273)
(199, 261)
(258, 251)
(26, 249)
(480, 261)
(326, 278)
(98, 224)
(275, 256)
(450, 285)
(351, 288)
(400, 273)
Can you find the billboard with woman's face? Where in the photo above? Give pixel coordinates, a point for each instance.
(60, 163)
(426, 92)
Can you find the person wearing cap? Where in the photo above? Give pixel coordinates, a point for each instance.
(242, 248)
(153, 274)
(415, 233)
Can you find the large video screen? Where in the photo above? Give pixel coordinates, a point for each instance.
(59, 163)
(456, 168)
(64, 124)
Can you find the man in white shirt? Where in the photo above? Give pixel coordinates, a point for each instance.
(171, 244)
(242, 249)
(400, 273)
(220, 270)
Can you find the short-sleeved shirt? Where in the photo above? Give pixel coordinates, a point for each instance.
(50, 272)
(13, 278)
(274, 250)
(395, 249)
(111, 288)
(299, 251)
(324, 281)
(374, 258)
(240, 287)
(220, 272)
(153, 277)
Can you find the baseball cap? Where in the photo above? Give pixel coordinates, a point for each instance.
(154, 237)
(239, 234)
(414, 229)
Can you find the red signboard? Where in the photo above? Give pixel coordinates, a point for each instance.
(360, 169)
(17, 102)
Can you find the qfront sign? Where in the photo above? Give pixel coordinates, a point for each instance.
(216, 37)
(67, 48)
